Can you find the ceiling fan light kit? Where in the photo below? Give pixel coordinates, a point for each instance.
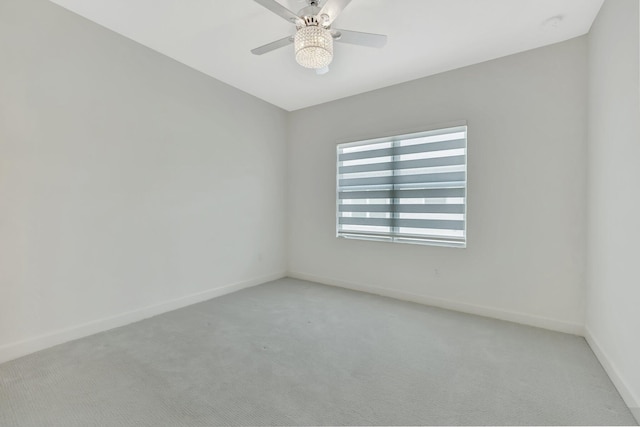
(313, 40)
(313, 46)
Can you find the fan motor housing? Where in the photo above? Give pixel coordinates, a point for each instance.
(309, 16)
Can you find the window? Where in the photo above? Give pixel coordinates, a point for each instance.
(407, 188)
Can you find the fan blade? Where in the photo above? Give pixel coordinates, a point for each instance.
(272, 46)
(361, 39)
(278, 9)
(332, 9)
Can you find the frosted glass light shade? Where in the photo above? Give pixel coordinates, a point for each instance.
(314, 47)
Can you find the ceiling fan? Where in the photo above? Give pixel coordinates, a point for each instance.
(313, 40)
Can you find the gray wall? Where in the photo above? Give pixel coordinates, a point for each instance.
(129, 183)
(526, 189)
(613, 309)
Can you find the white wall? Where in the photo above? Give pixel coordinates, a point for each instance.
(129, 183)
(613, 308)
(526, 189)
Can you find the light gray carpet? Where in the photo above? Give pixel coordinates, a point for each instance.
(297, 353)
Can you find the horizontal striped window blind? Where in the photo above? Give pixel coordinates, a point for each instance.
(407, 188)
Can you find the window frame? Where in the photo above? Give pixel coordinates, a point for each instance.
(445, 241)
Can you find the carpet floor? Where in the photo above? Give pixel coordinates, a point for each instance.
(292, 352)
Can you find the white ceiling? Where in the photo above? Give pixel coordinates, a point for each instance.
(425, 37)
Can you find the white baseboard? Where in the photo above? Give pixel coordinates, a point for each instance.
(496, 313)
(31, 345)
(632, 401)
